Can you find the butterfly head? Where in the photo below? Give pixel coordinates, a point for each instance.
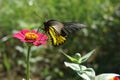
(47, 25)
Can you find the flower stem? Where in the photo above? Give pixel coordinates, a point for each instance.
(28, 63)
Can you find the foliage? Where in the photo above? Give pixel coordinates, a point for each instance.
(83, 72)
(101, 16)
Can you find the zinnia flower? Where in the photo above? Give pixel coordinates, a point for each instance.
(34, 37)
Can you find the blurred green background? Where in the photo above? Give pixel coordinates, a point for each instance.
(103, 32)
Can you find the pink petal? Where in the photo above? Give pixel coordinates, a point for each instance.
(39, 42)
(43, 42)
(23, 40)
(19, 35)
(34, 31)
(42, 37)
(25, 31)
(40, 34)
(36, 43)
(30, 40)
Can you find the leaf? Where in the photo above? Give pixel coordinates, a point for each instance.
(71, 58)
(6, 62)
(85, 58)
(82, 71)
(73, 66)
(86, 73)
(77, 58)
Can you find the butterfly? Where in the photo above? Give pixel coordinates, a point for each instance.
(58, 31)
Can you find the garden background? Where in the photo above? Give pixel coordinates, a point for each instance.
(102, 18)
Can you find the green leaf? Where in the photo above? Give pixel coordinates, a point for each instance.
(73, 66)
(6, 62)
(77, 58)
(85, 58)
(86, 73)
(69, 57)
(82, 71)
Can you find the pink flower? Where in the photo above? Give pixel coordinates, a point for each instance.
(33, 37)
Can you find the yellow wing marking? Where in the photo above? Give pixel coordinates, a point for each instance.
(55, 37)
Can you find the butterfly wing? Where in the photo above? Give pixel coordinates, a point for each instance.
(55, 37)
(70, 27)
(57, 31)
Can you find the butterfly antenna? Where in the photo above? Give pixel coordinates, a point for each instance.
(40, 16)
(46, 17)
(41, 20)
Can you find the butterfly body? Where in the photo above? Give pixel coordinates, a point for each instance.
(58, 31)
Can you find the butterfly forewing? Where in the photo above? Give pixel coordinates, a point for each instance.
(70, 27)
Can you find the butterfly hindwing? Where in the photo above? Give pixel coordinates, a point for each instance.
(55, 37)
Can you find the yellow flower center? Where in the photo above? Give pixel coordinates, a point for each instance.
(31, 36)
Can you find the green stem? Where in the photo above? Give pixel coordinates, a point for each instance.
(28, 63)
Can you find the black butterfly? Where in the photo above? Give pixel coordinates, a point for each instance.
(58, 31)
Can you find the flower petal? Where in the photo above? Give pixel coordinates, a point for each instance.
(25, 31)
(42, 37)
(19, 35)
(39, 41)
